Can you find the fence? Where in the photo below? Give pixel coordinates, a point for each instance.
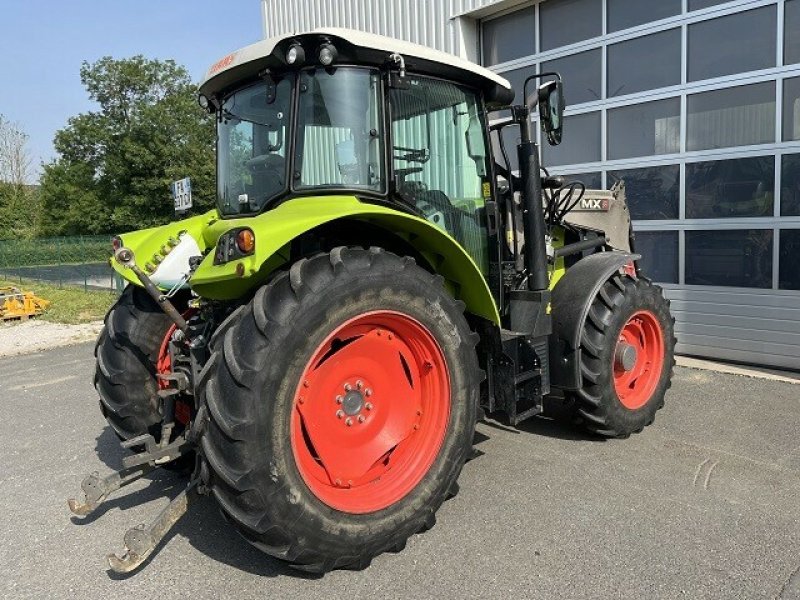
(72, 261)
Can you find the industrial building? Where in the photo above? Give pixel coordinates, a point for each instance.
(694, 103)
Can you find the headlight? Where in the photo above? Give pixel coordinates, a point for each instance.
(234, 244)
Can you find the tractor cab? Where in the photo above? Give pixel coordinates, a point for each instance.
(338, 112)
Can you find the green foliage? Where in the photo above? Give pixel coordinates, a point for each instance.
(115, 165)
(20, 203)
(22, 252)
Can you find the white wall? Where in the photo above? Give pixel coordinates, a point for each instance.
(448, 25)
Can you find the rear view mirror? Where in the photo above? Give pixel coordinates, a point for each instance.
(551, 110)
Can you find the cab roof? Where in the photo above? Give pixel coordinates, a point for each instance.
(355, 48)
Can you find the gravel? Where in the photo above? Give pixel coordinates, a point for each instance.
(34, 336)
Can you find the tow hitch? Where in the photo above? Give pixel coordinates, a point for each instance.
(141, 541)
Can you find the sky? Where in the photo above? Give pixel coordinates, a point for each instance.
(44, 42)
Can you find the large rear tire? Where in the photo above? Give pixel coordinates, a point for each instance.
(126, 355)
(628, 347)
(342, 403)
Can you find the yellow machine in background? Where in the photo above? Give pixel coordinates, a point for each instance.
(16, 304)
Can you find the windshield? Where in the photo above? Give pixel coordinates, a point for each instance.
(252, 139)
(339, 137)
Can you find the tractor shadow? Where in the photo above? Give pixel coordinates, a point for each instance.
(558, 422)
(203, 526)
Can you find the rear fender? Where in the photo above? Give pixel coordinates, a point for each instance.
(571, 299)
(275, 229)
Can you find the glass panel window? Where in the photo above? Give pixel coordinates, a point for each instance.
(581, 74)
(252, 138)
(652, 192)
(508, 37)
(644, 129)
(563, 22)
(720, 189)
(338, 142)
(733, 44)
(698, 4)
(791, 41)
(581, 141)
(659, 250)
(791, 109)
(592, 181)
(629, 13)
(790, 184)
(517, 79)
(789, 274)
(737, 258)
(644, 63)
(737, 116)
(440, 158)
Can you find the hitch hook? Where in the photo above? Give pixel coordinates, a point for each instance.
(140, 541)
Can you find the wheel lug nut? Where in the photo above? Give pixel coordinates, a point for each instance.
(361, 418)
(368, 392)
(348, 421)
(359, 384)
(339, 414)
(339, 399)
(419, 413)
(368, 406)
(338, 482)
(347, 387)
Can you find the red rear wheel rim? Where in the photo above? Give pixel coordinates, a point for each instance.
(635, 385)
(370, 412)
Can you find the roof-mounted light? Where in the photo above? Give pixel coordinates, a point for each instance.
(202, 101)
(295, 55)
(327, 54)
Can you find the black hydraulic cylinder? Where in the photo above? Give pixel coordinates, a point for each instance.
(533, 216)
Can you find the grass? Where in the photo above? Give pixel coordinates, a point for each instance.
(68, 304)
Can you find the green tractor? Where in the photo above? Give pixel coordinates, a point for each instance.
(376, 278)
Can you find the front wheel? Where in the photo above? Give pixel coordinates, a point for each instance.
(627, 347)
(342, 403)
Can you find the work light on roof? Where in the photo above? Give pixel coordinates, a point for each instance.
(295, 55)
(327, 54)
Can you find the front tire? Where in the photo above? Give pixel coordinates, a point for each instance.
(342, 402)
(628, 347)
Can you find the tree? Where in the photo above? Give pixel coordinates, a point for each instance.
(115, 165)
(20, 209)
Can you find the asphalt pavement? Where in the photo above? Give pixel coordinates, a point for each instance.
(703, 504)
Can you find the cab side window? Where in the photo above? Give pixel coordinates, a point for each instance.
(439, 158)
